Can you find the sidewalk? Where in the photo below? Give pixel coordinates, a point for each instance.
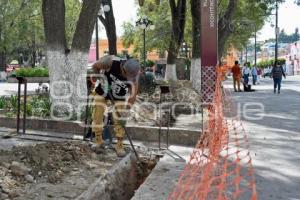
(8, 89)
(274, 139)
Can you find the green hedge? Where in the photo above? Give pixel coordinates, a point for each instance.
(267, 63)
(32, 72)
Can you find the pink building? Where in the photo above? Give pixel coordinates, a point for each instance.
(293, 59)
(92, 54)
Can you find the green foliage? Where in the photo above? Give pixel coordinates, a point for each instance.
(249, 16)
(285, 38)
(33, 72)
(267, 63)
(22, 29)
(72, 14)
(254, 12)
(21, 26)
(157, 39)
(149, 63)
(38, 106)
(2, 102)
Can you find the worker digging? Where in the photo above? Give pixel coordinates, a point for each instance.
(114, 80)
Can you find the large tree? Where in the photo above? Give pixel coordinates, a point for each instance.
(19, 28)
(108, 20)
(196, 38)
(67, 63)
(178, 15)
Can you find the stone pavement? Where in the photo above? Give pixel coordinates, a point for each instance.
(274, 136)
(8, 89)
(165, 175)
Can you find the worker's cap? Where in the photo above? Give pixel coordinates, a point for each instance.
(132, 69)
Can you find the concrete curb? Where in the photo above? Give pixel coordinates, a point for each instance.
(143, 133)
(165, 175)
(30, 80)
(119, 183)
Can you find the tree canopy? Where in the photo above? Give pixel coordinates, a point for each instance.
(247, 16)
(285, 38)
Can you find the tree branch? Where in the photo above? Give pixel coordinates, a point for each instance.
(224, 32)
(103, 20)
(85, 25)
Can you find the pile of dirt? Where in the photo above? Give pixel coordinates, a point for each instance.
(51, 170)
(146, 109)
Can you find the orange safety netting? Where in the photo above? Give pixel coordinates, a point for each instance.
(220, 166)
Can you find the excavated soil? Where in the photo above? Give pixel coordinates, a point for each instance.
(51, 170)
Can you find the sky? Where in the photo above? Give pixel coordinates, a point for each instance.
(289, 18)
(124, 11)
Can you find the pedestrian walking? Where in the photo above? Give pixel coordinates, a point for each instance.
(259, 74)
(277, 73)
(236, 73)
(246, 72)
(254, 74)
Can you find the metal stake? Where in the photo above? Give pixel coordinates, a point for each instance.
(25, 105)
(19, 105)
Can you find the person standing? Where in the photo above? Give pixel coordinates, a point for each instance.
(254, 75)
(246, 73)
(118, 84)
(259, 73)
(236, 73)
(277, 73)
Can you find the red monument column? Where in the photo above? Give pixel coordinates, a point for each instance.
(209, 48)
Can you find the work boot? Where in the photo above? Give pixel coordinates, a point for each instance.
(120, 148)
(98, 148)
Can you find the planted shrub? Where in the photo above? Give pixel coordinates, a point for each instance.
(2, 102)
(32, 72)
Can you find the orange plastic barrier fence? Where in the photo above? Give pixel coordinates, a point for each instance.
(220, 166)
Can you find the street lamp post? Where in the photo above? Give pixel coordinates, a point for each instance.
(277, 33)
(255, 44)
(144, 23)
(106, 8)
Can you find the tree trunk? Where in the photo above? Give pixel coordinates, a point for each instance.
(2, 53)
(67, 68)
(170, 73)
(195, 75)
(178, 12)
(110, 28)
(2, 61)
(224, 29)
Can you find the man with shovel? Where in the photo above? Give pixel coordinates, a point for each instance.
(118, 84)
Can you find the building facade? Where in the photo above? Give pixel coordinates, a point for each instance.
(293, 58)
(103, 50)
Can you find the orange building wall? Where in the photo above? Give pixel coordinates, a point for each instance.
(103, 47)
(231, 57)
